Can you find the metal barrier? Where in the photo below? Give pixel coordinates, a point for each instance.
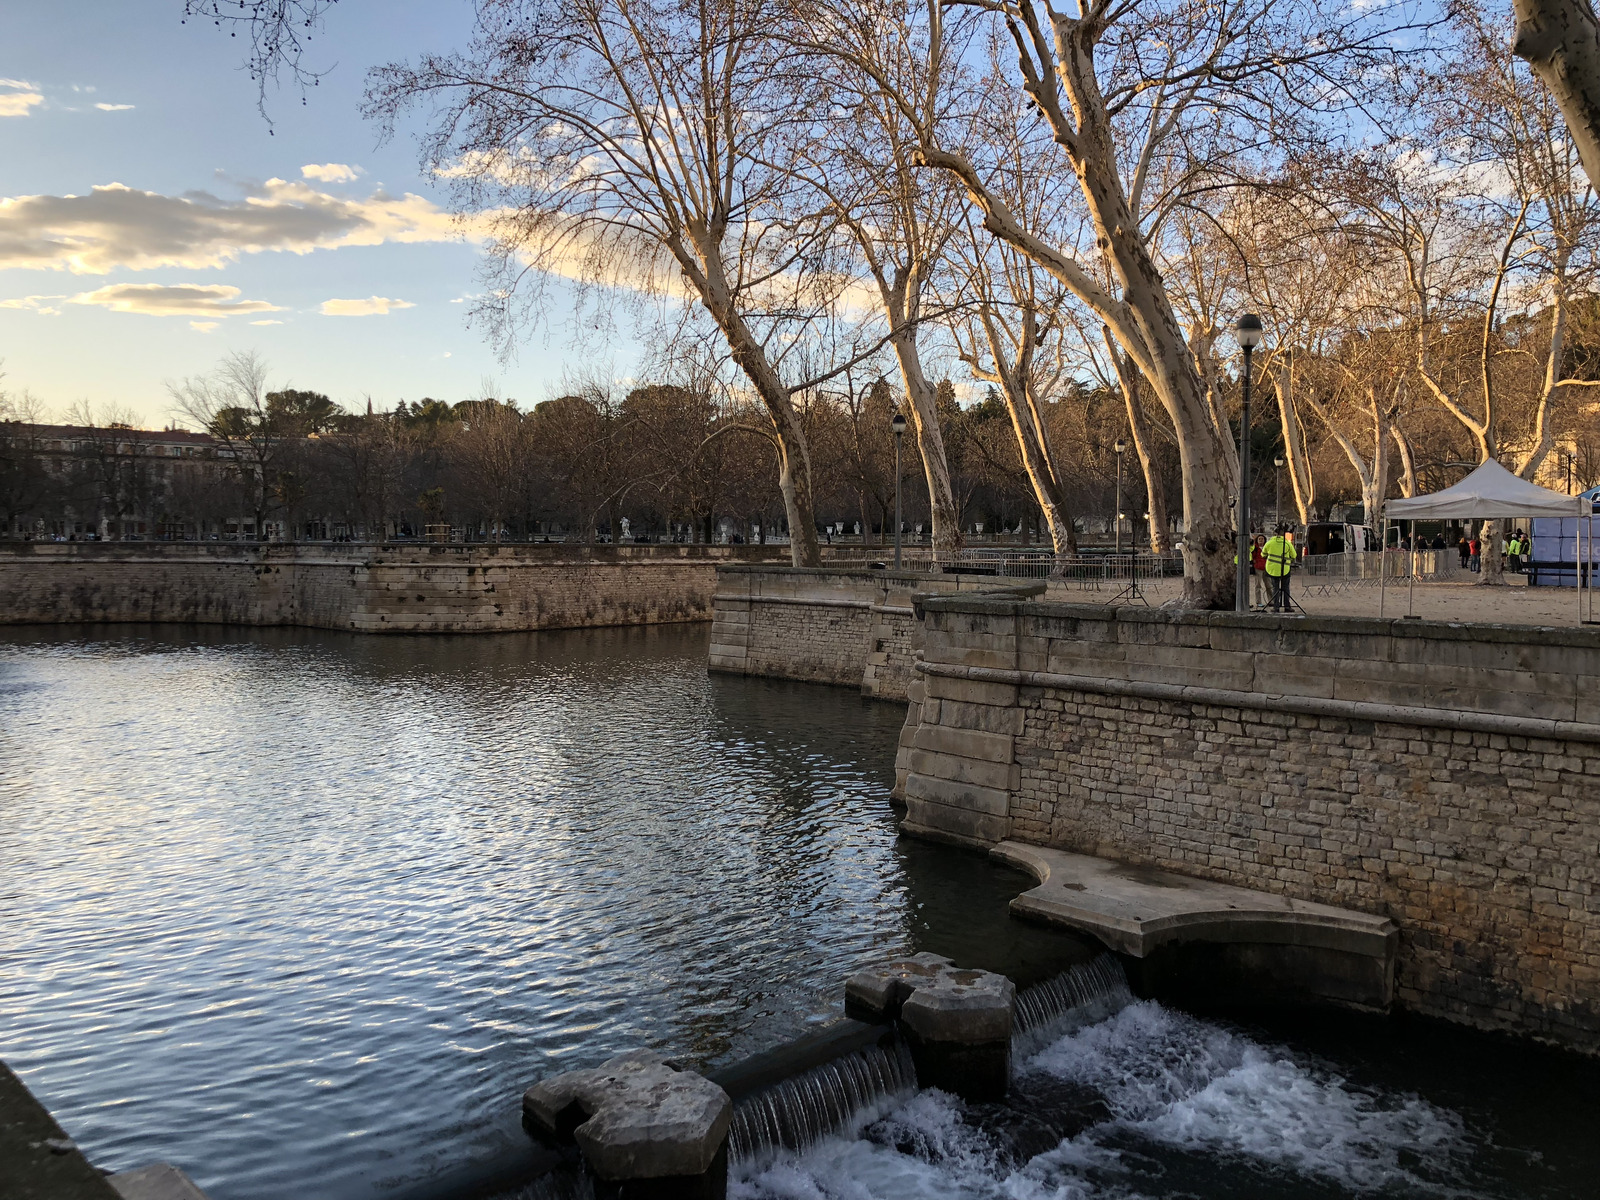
(1322, 574)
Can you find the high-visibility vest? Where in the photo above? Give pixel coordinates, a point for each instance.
(1280, 555)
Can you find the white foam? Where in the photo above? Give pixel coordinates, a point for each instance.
(1187, 1083)
(1170, 1081)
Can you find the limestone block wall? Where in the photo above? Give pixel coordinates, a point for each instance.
(841, 625)
(365, 588)
(1445, 776)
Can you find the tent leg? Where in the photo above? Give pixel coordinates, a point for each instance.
(1383, 566)
(1411, 589)
(1577, 565)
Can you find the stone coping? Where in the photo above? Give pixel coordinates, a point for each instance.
(852, 567)
(1135, 909)
(1134, 616)
(1314, 706)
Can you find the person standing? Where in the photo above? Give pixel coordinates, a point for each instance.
(1464, 548)
(1280, 556)
(1258, 572)
(1475, 555)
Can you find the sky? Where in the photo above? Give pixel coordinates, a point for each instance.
(151, 221)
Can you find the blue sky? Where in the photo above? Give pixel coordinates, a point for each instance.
(218, 226)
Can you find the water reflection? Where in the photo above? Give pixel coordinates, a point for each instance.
(303, 912)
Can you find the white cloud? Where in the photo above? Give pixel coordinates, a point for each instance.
(43, 305)
(113, 107)
(267, 322)
(203, 326)
(330, 172)
(116, 226)
(372, 306)
(18, 97)
(174, 300)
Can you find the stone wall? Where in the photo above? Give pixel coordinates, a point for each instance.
(847, 626)
(366, 588)
(1445, 776)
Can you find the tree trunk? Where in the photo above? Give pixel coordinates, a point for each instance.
(1560, 40)
(1491, 570)
(1294, 442)
(1408, 465)
(930, 441)
(705, 271)
(1208, 567)
(1155, 489)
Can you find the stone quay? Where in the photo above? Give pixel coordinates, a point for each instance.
(1434, 786)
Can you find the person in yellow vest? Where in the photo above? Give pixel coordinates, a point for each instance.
(1281, 557)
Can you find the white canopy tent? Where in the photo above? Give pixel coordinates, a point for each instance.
(1489, 493)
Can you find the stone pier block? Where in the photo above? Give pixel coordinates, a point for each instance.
(645, 1129)
(957, 1022)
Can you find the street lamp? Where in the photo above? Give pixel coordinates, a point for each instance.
(1277, 490)
(1120, 447)
(898, 424)
(1247, 331)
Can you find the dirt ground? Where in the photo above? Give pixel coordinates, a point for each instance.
(1511, 604)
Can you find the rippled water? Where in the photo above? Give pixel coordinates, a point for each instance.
(305, 912)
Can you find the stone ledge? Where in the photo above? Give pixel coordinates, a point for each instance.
(1137, 909)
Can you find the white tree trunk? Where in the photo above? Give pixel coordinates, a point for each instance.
(1560, 40)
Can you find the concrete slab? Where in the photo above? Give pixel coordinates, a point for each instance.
(1136, 909)
(159, 1181)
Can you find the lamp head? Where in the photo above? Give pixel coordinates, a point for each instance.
(1278, 461)
(1119, 446)
(898, 424)
(1248, 331)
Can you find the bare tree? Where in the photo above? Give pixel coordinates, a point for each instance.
(1145, 100)
(1014, 314)
(231, 405)
(901, 221)
(633, 138)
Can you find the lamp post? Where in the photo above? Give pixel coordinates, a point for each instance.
(1120, 447)
(898, 424)
(1247, 331)
(1277, 490)
(1569, 471)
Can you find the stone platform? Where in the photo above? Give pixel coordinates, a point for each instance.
(1325, 952)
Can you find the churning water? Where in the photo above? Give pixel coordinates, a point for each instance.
(803, 1109)
(305, 912)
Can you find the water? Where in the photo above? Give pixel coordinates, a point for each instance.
(1154, 1103)
(803, 1109)
(1083, 995)
(305, 912)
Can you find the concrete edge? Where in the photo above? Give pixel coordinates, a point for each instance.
(932, 833)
